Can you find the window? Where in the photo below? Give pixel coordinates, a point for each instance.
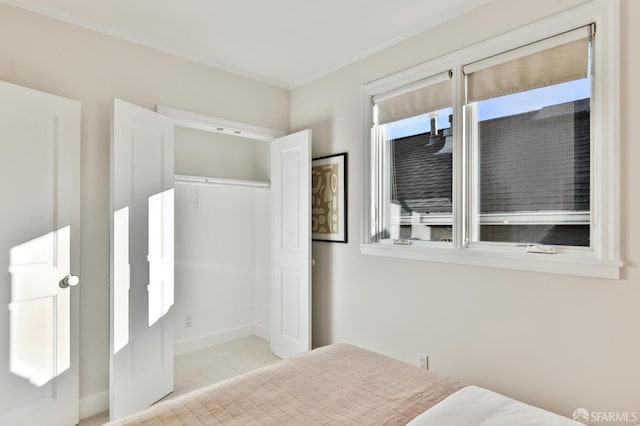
(502, 151)
(529, 111)
(415, 141)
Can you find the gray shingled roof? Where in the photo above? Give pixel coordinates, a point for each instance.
(422, 178)
(524, 161)
(535, 162)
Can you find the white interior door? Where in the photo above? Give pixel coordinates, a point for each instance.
(39, 248)
(291, 244)
(141, 258)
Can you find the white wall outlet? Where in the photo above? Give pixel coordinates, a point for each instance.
(423, 361)
(188, 321)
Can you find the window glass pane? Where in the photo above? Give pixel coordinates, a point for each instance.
(534, 166)
(418, 169)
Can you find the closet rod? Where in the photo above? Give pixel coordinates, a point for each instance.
(219, 181)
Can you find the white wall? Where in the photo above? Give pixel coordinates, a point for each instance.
(262, 314)
(202, 153)
(561, 342)
(222, 240)
(216, 264)
(62, 59)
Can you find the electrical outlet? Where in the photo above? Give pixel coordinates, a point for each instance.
(188, 321)
(423, 361)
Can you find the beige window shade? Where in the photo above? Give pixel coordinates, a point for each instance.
(430, 94)
(552, 61)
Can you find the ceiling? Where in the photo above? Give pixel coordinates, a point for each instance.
(282, 42)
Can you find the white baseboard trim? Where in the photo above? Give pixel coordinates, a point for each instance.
(262, 332)
(190, 345)
(94, 404)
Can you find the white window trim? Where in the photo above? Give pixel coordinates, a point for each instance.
(536, 218)
(604, 259)
(519, 218)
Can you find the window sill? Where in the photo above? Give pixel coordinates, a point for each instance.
(566, 263)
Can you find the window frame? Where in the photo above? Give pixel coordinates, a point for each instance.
(603, 258)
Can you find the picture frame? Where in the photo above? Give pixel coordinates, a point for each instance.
(329, 188)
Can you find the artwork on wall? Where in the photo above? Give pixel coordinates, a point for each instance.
(329, 198)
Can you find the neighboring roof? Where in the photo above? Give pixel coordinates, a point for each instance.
(529, 162)
(535, 162)
(422, 178)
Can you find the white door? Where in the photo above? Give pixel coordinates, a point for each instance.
(291, 244)
(39, 248)
(141, 258)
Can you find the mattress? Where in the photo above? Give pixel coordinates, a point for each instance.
(338, 384)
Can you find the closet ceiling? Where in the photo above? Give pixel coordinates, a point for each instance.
(282, 42)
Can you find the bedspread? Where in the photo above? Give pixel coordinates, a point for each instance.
(338, 384)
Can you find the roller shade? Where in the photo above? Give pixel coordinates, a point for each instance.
(427, 95)
(551, 61)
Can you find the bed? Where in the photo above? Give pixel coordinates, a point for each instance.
(338, 384)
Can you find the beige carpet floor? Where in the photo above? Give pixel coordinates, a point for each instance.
(211, 365)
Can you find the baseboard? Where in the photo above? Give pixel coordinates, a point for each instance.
(94, 404)
(262, 332)
(190, 345)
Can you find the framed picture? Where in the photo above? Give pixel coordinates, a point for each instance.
(329, 198)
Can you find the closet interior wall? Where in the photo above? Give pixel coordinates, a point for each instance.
(221, 240)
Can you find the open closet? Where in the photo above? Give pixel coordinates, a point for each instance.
(210, 242)
(242, 233)
(222, 238)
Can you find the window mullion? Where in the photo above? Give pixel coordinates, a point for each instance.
(377, 180)
(386, 182)
(473, 177)
(459, 162)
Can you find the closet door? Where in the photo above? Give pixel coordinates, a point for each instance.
(291, 244)
(141, 258)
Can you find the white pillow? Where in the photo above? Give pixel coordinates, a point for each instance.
(475, 406)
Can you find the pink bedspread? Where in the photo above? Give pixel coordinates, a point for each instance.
(334, 385)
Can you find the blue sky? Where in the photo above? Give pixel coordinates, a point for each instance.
(531, 100)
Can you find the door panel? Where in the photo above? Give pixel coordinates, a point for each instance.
(291, 244)
(291, 189)
(290, 296)
(39, 247)
(141, 258)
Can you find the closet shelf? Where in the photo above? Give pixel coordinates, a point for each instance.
(204, 180)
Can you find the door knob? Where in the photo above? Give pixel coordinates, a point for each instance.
(69, 281)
